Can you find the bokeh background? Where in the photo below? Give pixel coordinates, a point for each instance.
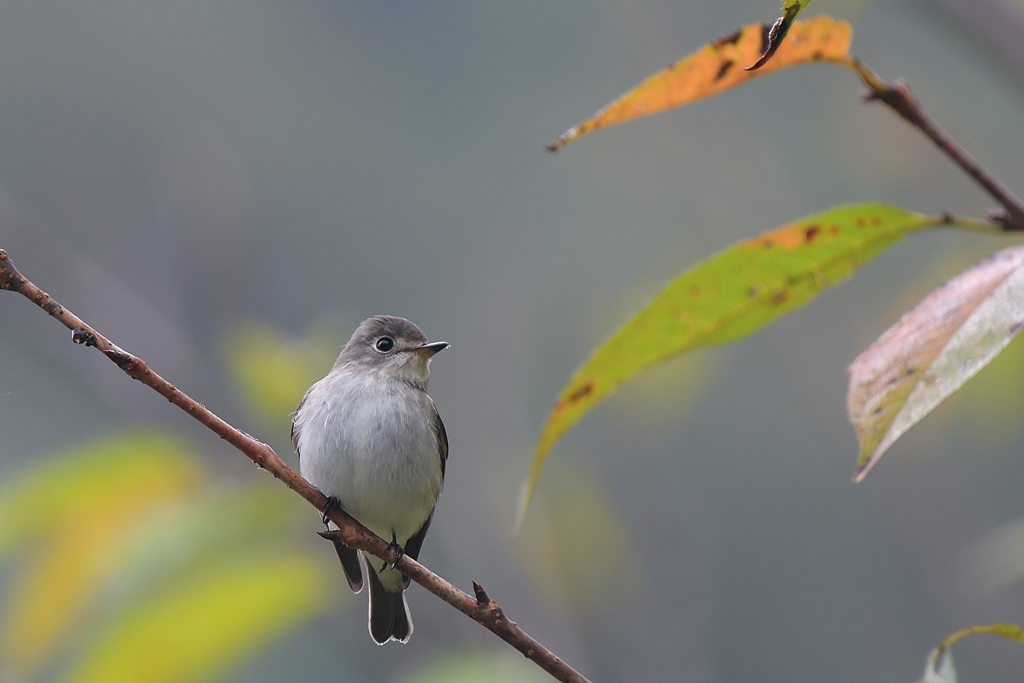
(226, 189)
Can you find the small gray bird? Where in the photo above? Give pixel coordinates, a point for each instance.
(370, 439)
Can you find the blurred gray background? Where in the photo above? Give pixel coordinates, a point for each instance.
(170, 169)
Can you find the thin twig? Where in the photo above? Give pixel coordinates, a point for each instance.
(483, 610)
(897, 96)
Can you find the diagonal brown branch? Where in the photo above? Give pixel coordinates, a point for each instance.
(897, 96)
(481, 609)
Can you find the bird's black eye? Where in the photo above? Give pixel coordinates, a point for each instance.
(384, 344)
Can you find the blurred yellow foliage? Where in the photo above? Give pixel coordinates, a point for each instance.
(273, 370)
(147, 566)
(208, 621)
(74, 482)
(74, 507)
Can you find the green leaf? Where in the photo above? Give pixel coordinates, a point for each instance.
(779, 30)
(933, 350)
(208, 623)
(727, 298)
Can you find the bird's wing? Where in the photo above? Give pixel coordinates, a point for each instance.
(295, 427)
(413, 545)
(442, 442)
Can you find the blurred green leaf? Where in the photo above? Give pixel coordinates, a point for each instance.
(217, 523)
(997, 560)
(210, 621)
(992, 402)
(578, 548)
(726, 298)
(933, 350)
(272, 370)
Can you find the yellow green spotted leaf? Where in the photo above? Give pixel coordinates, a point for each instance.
(207, 623)
(721, 65)
(725, 298)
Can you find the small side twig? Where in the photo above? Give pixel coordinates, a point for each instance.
(482, 609)
(478, 607)
(897, 96)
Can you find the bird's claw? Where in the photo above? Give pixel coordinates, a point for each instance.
(329, 505)
(398, 550)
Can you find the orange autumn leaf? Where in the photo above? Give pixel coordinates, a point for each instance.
(719, 66)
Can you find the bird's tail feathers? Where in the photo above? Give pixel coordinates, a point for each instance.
(389, 612)
(352, 566)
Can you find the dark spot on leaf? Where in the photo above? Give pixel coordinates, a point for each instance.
(730, 39)
(861, 222)
(724, 69)
(780, 298)
(817, 55)
(811, 233)
(878, 411)
(768, 244)
(876, 221)
(910, 371)
(581, 393)
(834, 230)
(766, 36)
(1016, 327)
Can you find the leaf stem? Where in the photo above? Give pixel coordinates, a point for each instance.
(989, 226)
(897, 96)
(1008, 631)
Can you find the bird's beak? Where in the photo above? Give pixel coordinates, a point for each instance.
(430, 348)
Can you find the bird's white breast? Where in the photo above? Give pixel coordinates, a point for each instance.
(371, 443)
